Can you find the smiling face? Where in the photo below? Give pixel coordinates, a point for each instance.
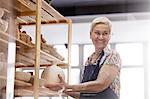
(100, 36)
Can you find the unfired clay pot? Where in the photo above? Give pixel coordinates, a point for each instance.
(50, 74)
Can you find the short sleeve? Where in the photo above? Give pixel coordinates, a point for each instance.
(113, 59)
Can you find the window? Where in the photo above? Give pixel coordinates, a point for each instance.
(75, 76)
(131, 53)
(74, 53)
(132, 76)
(61, 49)
(132, 83)
(88, 50)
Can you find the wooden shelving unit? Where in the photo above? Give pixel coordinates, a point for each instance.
(26, 11)
(25, 54)
(35, 12)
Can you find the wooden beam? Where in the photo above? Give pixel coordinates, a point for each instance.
(37, 49)
(26, 13)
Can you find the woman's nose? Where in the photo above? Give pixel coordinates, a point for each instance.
(100, 36)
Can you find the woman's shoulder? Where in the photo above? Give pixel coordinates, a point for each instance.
(109, 51)
(112, 57)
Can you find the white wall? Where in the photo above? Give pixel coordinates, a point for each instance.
(123, 31)
(133, 31)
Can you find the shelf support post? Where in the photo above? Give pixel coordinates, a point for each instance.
(37, 48)
(69, 48)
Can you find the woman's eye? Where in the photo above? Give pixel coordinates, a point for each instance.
(105, 33)
(97, 33)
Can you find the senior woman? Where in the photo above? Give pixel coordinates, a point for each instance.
(100, 75)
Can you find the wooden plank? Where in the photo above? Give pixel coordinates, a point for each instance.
(52, 58)
(22, 65)
(23, 92)
(24, 45)
(20, 20)
(6, 36)
(47, 16)
(34, 17)
(48, 22)
(26, 13)
(44, 15)
(22, 6)
(28, 91)
(23, 59)
(25, 5)
(4, 42)
(69, 50)
(37, 49)
(17, 82)
(31, 55)
(27, 19)
(52, 11)
(22, 83)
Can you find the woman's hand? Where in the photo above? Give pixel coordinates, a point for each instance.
(57, 86)
(70, 88)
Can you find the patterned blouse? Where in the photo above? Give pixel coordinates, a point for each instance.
(111, 57)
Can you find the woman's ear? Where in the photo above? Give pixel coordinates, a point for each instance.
(90, 35)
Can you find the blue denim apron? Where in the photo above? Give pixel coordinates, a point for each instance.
(90, 74)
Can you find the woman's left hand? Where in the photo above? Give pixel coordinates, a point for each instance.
(57, 86)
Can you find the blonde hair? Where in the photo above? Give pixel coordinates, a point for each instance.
(101, 20)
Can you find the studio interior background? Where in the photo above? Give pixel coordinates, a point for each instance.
(130, 37)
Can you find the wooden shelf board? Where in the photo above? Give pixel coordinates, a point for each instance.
(24, 5)
(23, 89)
(17, 82)
(53, 59)
(28, 91)
(48, 13)
(4, 45)
(24, 44)
(28, 58)
(23, 65)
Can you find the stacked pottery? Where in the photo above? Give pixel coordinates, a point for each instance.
(3, 70)
(3, 23)
(22, 76)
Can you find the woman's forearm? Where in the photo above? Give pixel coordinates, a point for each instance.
(91, 86)
(73, 94)
(104, 79)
